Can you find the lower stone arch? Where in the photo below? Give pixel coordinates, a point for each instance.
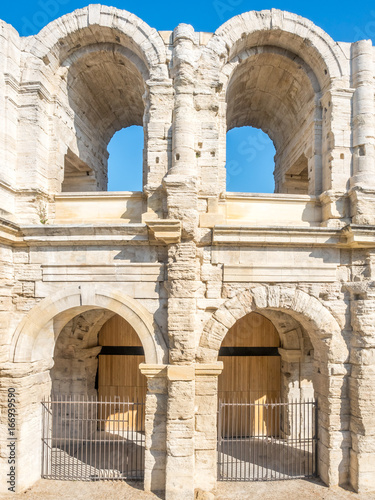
(31, 359)
(34, 339)
(309, 311)
(330, 358)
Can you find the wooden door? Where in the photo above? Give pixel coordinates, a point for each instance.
(251, 373)
(119, 377)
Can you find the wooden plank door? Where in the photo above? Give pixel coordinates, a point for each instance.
(119, 376)
(250, 378)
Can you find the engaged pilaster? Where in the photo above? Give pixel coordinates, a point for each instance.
(155, 426)
(180, 433)
(362, 389)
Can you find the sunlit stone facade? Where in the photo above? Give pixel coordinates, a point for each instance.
(184, 260)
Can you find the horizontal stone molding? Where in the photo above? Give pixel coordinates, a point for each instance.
(124, 272)
(84, 234)
(210, 369)
(325, 273)
(153, 371)
(277, 235)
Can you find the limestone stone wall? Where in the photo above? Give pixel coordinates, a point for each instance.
(183, 260)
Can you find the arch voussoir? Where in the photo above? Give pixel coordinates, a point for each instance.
(34, 336)
(324, 329)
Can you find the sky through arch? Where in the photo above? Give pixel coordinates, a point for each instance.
(125, 162)
(250, 161)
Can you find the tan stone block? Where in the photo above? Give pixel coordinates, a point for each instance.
(180, 373)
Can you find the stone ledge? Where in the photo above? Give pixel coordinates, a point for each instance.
(277, 235)
(9, 232)
(359, 236)
(210, 369)
(84, 234)
(153, 371)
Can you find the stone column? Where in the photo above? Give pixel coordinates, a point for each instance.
(180, 433)
(155, 426)
(31, 383)
(206, 380)
(362, 192)
(362, 389)
(9, 111)
(182, 203)
(363, 115)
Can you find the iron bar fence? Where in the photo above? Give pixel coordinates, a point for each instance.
(267, 441)
(86, 439)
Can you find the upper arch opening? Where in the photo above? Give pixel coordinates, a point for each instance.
(103, 89)
(275, 91)
(96, 63)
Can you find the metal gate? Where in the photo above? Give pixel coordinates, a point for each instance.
(92, 440)
(267, 441)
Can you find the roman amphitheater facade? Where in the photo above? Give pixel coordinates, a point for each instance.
(183, 261)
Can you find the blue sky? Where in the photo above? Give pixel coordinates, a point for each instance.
(252, 171)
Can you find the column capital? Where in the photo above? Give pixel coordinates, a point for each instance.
(290, 355)
(209, 369)
(153, 371)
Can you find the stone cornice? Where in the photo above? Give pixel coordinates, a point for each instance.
(153, 371)
(114, 234)
(350, 236)
(169, 231)
(359, 236)
(10, 233)
(72, 235)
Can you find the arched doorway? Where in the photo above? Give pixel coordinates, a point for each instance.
(70, 321)
(94, 423)
(309, 335)
(261, 435)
